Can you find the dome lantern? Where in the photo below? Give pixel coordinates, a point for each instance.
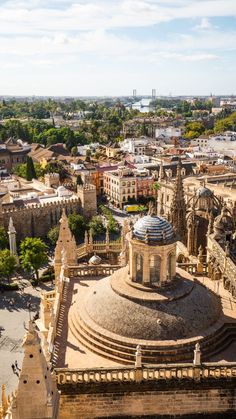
(152, 251)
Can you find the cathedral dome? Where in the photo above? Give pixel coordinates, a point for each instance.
(204, 192)
(153, 229)
(137, 317)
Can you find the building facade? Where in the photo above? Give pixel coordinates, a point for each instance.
(125, 184)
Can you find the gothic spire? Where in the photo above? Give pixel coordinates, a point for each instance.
(178, 207)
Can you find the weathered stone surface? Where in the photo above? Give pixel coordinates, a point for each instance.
(168, 320)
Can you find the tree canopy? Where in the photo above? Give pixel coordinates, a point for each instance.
(77, 225)
(3, 238)
(33, 254)
(7, 264)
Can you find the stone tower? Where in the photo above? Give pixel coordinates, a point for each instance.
(12, 238)
(52, 180)
(178, 207)
(88, 199)
(66, 246)
(37, 395)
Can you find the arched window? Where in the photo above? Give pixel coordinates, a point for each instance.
(170, 266)
(155, 268)
(139, 267)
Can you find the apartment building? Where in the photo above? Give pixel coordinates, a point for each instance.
(124, 184)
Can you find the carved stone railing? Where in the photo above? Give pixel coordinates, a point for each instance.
(99, 248)
(188, 267)
(83, 271)
(226, 265)
(146, 373)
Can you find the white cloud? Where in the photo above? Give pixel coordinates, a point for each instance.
(64, 34)
(35, 17)
(205, 24)
(199, 57)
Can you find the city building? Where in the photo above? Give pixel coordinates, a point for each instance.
(125, 184)
(13, 153)
(168, 132)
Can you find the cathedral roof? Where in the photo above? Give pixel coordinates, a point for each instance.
(154, 230)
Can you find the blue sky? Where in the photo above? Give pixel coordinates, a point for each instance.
(109, 47)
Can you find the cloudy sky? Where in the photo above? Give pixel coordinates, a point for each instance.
(109, 47)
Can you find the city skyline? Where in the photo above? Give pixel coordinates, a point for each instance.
(108, 48)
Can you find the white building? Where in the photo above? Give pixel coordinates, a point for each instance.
(201, 142)
(168, 132)
(135, 145)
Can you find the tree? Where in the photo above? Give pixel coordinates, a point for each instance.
(96, 225)
(88, 155)
(3, 238)
(77, 225)
(74, 151)
(53, 235)
(79, 180)
(30, 170)
(194, 130)
(7, 264)
(33, 254)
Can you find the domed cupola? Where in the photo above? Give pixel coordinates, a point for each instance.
(204, 192)
(153, 230)
(204, 199)
(152, 251)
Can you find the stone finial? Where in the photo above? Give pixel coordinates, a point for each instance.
(164, 236)
(11, 228)
(4, 400)
(151, 209)
(138, 357)
(197, 354)
(227, 249)
(90, 236)
(107, 236)
(200, 253)
(86, 237)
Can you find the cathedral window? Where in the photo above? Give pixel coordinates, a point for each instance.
(139, 267)
(155, 268)
(170, 266)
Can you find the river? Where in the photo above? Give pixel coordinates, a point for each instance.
(142, 105)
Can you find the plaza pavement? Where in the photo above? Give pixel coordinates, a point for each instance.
(14, 316)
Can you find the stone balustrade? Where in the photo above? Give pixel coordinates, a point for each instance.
(146, 373)
(89, 270)
(188, 267)
(99, 248)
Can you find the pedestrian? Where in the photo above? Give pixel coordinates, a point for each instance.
(16, 365)
(13, 368)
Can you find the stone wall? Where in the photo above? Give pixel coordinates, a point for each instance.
(164, 399)
(37, 220)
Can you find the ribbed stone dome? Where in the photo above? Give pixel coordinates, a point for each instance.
(204, 192)
(153, 229)
(95, 260)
